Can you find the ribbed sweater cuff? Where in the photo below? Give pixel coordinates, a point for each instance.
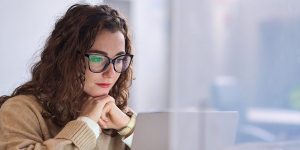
(79, 133)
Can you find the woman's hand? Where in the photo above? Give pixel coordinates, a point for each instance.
(94, 106)
(112, 117)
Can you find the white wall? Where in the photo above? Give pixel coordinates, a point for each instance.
(150, 36)
(192, 53)
(24, 27)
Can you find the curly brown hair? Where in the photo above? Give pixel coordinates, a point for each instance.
(58, 78)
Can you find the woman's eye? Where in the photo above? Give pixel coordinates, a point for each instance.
(118, 61)
(122, 60)
(96, 59)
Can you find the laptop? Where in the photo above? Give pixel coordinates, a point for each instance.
(204, 130)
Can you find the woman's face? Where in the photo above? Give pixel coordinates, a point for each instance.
(111, 45)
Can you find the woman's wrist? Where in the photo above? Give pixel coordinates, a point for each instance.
(121, 119)
(128, 129)
(125, 121)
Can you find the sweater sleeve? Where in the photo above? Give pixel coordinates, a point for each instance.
(20, 128)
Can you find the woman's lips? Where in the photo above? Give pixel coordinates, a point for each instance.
(104, 85)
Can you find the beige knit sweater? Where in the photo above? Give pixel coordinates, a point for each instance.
(23, 127)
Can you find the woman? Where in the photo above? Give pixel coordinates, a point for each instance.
(77, 97)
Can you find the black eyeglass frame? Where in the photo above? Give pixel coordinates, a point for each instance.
(110, 61)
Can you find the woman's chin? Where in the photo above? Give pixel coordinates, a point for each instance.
(99, 94)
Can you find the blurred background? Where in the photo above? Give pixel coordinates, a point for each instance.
(241, 55)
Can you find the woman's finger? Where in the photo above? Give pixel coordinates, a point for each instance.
(106, 110)
(104, 116)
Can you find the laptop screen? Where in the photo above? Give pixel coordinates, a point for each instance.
(205, 130)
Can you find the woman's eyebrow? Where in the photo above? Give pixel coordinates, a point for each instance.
(98, 52)
(120, 53)
(104, 53)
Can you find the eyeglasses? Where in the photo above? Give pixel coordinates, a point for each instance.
(98, 63)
